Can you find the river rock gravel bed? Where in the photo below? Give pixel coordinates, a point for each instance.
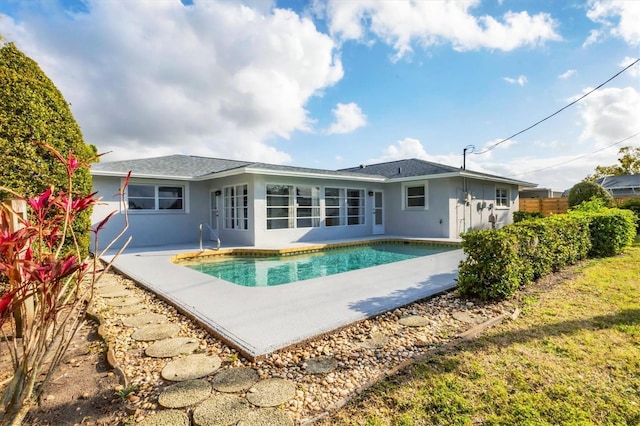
(350, 358)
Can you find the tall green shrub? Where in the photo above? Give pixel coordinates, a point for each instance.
(586, 190)
(33, 110)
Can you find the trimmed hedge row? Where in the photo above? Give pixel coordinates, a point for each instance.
(499, 261)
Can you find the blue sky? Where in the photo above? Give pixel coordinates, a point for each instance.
(335, 84)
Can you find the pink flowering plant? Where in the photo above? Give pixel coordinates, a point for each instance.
(48, 287)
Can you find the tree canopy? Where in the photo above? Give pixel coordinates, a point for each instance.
(628, 164)
(33, 110)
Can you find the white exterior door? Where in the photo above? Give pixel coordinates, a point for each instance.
(378, 213)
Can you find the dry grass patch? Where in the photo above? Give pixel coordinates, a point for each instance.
(570, 358)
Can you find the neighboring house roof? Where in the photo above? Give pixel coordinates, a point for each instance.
(188, 167)
(621, 184)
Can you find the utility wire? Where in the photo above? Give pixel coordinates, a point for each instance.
(579, 157)
(557, 112)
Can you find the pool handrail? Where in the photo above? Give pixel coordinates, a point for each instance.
(214, 233)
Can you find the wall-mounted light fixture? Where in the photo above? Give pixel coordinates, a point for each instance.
(370, 193)
(218, 192)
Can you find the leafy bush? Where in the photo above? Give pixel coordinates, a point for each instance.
(586, 190)
(33, 109)
(500, 261)
(634, 206)
(519, 216)
(493, 267)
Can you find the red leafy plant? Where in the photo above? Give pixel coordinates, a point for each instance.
(49, 286)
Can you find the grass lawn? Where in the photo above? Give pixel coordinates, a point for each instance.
(572, 357)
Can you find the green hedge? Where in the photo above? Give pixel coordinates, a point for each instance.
(519, 216)
(634, 206)
(499, 261)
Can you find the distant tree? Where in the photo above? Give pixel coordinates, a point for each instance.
(628, 164)
(586, 190)
(32, 110)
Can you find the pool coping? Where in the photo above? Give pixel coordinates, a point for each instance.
(260, 320)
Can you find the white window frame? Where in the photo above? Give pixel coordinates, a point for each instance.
(503, 202)
(156, 185)
(293, 207)
(406, 196)
(235, 207)
(344, 216)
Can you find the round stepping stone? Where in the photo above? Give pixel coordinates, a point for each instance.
(267, 416)
(166, 418)
(131, 310)
(123, 301)
(168, 348)
(106, 281)
(465, 317)
(415, 321)
(184, 394)
(321, 365)
(144, 319)
(109, 288)
(271, 392)
(191, 367)
(235, 379)
(155, 332)
(114, 294)
(376, 341)
(222, 409)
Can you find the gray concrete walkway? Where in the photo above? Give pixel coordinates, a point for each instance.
(260, 320)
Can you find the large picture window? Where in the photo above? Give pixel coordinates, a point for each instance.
(344, 206)
(155, 197)
(415, 196)
(236, 207)
(291, 206)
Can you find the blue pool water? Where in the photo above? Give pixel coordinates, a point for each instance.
(277, 270)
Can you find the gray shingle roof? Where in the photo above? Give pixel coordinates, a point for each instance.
(187, 166)
(404, 168)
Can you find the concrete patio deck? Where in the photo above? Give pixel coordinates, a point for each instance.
(260, 320)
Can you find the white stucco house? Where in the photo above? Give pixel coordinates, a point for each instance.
(258, 204)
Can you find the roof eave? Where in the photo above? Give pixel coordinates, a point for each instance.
(110, 173)
(465, 174)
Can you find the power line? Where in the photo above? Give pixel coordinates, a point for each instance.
(579, 157)
(558, 111)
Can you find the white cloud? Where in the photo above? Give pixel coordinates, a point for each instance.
(348, 117)
(634, 71)
(565, 75)
(427, 23)
(412, 148)
(610, 115)
(521, 80)
(212, 78)
(619, 18)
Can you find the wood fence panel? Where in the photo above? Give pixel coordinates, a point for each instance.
(548, 206)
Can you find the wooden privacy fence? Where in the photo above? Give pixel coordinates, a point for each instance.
(546, 206)
(549, 206)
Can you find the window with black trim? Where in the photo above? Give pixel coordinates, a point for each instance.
(155, 197)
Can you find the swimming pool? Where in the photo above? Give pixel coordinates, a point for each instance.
(264, 271)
